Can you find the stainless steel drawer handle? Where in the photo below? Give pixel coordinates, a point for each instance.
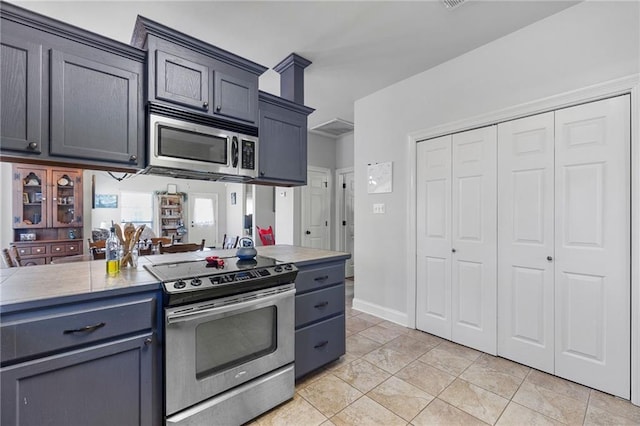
(322, 278)
(87, 329)
(321, 344)
(321, 305)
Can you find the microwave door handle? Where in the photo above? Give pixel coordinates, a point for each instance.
(201, 313)
(234, 151)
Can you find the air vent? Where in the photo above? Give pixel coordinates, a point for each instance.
(334, 128)
(450, 4)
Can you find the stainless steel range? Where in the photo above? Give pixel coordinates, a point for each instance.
(229, 338)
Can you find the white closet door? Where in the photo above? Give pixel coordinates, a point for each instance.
(525, 241)
(592, 282)
(474, 204)
(433, 290)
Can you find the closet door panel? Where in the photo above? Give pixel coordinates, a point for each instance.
(592, 282)
(433, 290)
(525, 241)
(473, 280)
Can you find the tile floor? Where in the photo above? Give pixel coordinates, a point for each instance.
(392, 375)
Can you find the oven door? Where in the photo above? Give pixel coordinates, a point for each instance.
(216, 345)
(184, 145)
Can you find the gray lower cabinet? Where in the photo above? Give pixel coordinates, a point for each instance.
(320, 315)
(283, 142)
(84, 363)
(68, 95)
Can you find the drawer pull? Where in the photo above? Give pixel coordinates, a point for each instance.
(322, 278)
(321, 305)
(321, 344)
(87, 329)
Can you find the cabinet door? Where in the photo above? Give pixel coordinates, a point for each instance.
(94, 110)
(30, 197)
(66, 198)
(433, 290)
(283, 147)
(108, 384)
(236, 97)
(525, 241)
(592, 235)
(20, 95)
(181, 81)
(473, 273)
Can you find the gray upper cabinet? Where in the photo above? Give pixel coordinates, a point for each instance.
(197, 76)
(283, 141)
(68, 95)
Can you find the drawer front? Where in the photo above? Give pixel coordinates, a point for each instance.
(24, 251)
(72, 248)
(33, 261)
(38, 249)
(315, 305)
(58, 248)
(319, 344)
(51, 330)
(314, 278)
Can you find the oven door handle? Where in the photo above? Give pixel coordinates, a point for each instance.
(186, 316)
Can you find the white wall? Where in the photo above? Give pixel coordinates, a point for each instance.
(586, 44)
(264, 215)
(344, 151)
(234, 212)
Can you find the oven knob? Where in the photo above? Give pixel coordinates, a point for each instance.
(278, 269)
(288, 267)
(179, 284)
(196, 282)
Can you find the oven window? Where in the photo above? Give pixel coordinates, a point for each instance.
(179, 143)
(231, 341)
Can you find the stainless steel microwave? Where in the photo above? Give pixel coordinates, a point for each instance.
(184, 149)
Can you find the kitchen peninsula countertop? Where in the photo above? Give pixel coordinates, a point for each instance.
(37, 286)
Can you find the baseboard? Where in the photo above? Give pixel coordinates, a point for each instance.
(392, 315)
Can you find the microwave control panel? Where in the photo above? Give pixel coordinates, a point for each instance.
(248, 155)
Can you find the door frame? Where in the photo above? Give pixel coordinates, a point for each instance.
(304, 194)
(626, 85)
(340, 245)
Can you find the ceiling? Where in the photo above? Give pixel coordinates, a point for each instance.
(356, 47)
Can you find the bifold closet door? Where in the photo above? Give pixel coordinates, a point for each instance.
(592, 244)
(525, 241)
(474, 237)
(433, 289)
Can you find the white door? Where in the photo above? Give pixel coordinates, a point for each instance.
(592, 281)
(345, 220)
(315, 210)
(203, 212)
(433, 291)
(473, 265)
(525, 241)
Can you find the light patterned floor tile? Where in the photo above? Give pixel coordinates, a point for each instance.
(617, 406)
(503, 365)
(425, 377)
(460, 350)
(393, 326)
(357, 324)
(410, 346)
(358, 345)
(480, 403)
(295, 412)
(362, 375)
(365, 411)
(313, 376)
(497, 382)
(388, 359)
(401, 397)
(596, 416)
(551, 404)
(330, 395)
(343, 360)
(381, 334)
(558, 385)
(518, 415)
(368, 317)
(446, 360)
(425, 337)
(439, 413)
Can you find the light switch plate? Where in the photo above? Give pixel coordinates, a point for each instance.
(378, 208)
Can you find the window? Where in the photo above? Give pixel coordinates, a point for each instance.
(203, 212)
(137, 208)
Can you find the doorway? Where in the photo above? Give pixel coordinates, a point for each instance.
(344, 216)
(315, 209)
(203, 218)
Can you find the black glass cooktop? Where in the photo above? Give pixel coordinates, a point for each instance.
(201, 268)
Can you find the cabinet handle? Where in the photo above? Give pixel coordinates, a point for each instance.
(321, 344)
(549, 258)
(322, 278)
(453, 250)
(205, 105)
(218, 108)
(86, 329)
(321, 305)
(32, 146)
(148, 341)
(133, 158)
(261, 173)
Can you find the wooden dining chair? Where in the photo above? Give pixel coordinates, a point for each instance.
(15, 256)
(6, 258)
(97, 249)
(181, 247)
(230, 242)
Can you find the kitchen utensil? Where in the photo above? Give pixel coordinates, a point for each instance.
(246, 251)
